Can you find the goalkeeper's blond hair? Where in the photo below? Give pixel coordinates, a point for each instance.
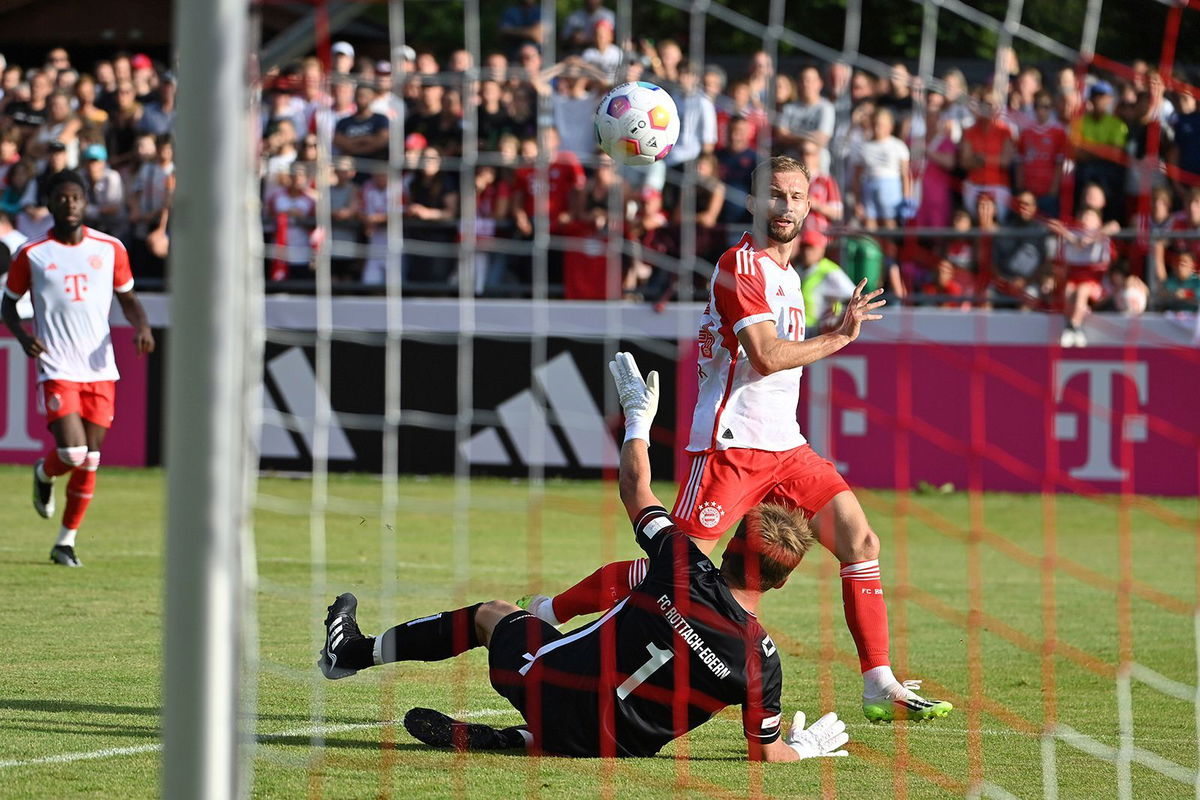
(770, 542)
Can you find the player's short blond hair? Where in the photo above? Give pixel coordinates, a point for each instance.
(773, 165)
(770, 542)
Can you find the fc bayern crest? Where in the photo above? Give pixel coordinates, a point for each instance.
(95, 261)
(710, 514)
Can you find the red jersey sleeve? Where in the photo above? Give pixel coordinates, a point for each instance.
(122, 274)
(740, 291)
(18, 276)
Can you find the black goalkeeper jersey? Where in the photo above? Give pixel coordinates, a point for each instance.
(663, 661)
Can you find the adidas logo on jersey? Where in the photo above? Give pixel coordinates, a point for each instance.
(780, 292)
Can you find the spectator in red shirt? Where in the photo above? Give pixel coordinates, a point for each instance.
(824, 197)
(741, 106)
(586, 269)
(1043, 148)
(493, 210)
(565, 176)
(986, 151)
(1085, 253)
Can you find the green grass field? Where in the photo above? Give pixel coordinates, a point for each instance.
(79, 682)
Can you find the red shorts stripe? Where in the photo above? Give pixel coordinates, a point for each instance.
(725, 484)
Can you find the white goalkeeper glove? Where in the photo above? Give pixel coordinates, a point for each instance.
(821, 740)
(639, 398)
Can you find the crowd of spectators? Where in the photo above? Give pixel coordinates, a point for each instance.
(1049, 188)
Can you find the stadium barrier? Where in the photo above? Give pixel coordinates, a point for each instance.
(918, 371)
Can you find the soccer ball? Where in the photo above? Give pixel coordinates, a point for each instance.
(637, 123)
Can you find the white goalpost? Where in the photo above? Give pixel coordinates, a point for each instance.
(214, 371)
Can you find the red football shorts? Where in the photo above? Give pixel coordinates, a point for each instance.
(1092, 288)
(96, 402)
(724, 484)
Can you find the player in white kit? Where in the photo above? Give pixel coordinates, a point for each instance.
(72, 273)
(746, 447)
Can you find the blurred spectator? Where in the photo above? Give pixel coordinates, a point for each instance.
(646, 280)
(574, 101)
(20, 188)
(578, 29)
(493, 207)
(697, 119)
(1182, 286)
(61, 126)
(899, 97)
(604, 55)
(386, 101)
(364, 134)
(713, 84)
(1022, 101)
(86, 108)
(986, 153)
(1018, 258)
(946, 286)
(1146, 156)
(158, 117)
(737, 162)
(28, 115)
(432, 198)
(1160, 221)
(345, 212)
(1130, 294)
(586, 266)
(1085, 253)
(1101, 142)
(664, 59)
(495, 68)
(374, 210)
(740, 105)
(105, 193)
(1185, 221)
(810, 118)
(1043, 148)
(823, 283)
(958, 108)
(706, 210)
(10, 152)
(882, 176)
(521, 24)
(279, 147)
(295, 210)
(307, 153)
(960, 250)
(934, 169)
(341, 57)
(106, 86)
(566, 176)
(1067, 101)
(1093, 197)
(759, 77)
(824, 197)
(121, 134)
(148, 198)
(492, 119)
(1184, 153)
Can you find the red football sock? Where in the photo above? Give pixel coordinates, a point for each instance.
(79, 491)
(53, 465)
(866, 612)
(601, 590)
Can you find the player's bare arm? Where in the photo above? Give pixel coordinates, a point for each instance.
(32, 345)
(131, 307)
(768, 353)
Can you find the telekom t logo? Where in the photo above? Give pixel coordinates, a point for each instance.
(1101, 377)
(76, 286)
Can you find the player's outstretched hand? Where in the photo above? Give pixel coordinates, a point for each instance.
(822, 740)
(33, 347)
(859, 310)
(639, 398)
(143, 340)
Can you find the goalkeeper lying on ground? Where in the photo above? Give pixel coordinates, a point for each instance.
(685, 644)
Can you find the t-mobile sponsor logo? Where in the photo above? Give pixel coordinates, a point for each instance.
(1100, 378)
(824, 417)
(14, 414)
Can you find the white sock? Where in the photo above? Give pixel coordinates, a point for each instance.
(42, 476)
(66, 537)
(879, 682)
(542, 607)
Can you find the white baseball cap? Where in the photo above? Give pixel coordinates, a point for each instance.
(342, 48)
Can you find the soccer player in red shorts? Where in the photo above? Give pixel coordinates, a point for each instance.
(72, 273)
(746, 446)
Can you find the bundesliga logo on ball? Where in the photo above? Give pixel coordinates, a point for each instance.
(637, 124)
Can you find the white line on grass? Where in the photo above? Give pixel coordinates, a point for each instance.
(263, 738)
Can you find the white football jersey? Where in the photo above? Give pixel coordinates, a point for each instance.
(736, 406)
(72, 288)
